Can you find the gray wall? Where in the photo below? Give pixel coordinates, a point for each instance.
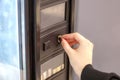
(99, 21)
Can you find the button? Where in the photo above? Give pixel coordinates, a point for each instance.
(59, 68)
(54, 70)
(62, 66)
(46, 45)
(49, 72)
(41, 77)
(45, 75)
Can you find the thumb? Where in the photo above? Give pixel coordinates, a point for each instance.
(67, 47)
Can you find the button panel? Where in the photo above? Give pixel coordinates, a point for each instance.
(52, 66)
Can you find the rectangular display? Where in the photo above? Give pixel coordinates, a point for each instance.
(52, 15)
(52, 66)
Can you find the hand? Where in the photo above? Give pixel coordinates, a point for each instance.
(82, 55)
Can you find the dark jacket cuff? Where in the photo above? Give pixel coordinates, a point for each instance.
(89, 73)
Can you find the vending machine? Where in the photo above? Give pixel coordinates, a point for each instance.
(47, 20)
(30, 31)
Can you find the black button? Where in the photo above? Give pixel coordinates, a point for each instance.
(46, 45)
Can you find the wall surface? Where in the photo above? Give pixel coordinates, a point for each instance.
(99, 21)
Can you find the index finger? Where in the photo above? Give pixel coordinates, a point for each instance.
(74, 36)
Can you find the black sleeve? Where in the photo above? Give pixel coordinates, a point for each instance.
(89, 73)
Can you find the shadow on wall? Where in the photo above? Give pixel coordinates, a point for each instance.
(99, 21)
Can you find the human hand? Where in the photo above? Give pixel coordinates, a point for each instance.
(82, 55)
